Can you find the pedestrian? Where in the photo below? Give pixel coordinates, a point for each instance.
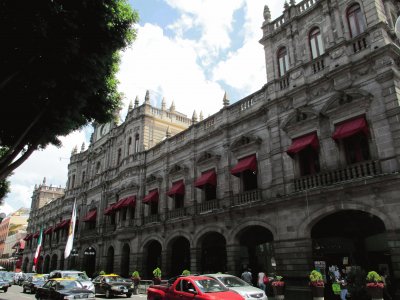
(343, 285)
(386, 284)
(260, 280)
(246, 276)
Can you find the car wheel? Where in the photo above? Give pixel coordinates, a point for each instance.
(24, 290)
(128, 295)
(108, 294)
(5, 290)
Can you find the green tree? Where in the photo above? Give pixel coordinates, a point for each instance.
(4, 184)
(58, 70)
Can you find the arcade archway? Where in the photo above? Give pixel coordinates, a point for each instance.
(46, 265)
(213, 253)
(25, 265)
(125, 260)
(53, 264)
(153, 258)
(179, 253)
(110, 260)
(89, 261)
(256, 249)
(350, 238)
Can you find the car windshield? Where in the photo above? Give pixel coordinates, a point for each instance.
(77, 276)
(68, 284)
(37, 279)
(232, 281)
(210, 286)
(113, 279)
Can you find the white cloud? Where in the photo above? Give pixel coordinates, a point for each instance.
(168, 68)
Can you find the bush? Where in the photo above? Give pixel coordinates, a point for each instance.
(186, 272)
(316, 278)
(157, 272)
(135, 274)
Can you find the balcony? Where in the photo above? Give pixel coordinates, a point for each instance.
(177, 213)
(208, 206)
(151, 219)
(246, 197)
(352, 172)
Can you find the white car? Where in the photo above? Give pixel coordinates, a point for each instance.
(240, 286)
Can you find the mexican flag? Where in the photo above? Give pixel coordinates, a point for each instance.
(71, 231)
(38, 249)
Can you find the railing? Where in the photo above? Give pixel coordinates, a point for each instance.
(144, 285)
(110, 228)
(176, 213)
(151, 219)
(305, 5)
(284, 82)
(360, 44)
(88, 232)
(355, 171)
(247, 197)
(208, 206)
(318, 65)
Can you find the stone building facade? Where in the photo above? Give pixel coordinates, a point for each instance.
(302, 174)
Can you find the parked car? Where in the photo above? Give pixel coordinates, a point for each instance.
(240, 286)
(192, 287)
(78, 275)
(113, 284)
(33, 283)
(63, 289)
(4, 284)
(23, 277)
(9, 276)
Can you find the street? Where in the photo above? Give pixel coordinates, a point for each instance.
(15, 293)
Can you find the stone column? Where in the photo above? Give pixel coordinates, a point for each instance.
(165, 262)
(233, 259)
(195, 260)
(393, 240)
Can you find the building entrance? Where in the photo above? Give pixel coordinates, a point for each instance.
(180, 256)
(213, 253)
(89, 261)
(153, 259)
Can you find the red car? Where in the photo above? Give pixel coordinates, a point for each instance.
(192, 287)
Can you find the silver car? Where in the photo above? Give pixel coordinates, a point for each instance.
(78, 275)
(236, 284)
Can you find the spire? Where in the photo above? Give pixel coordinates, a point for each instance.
(286, 5)
(201, 116)
(163, 104)
(44, 180)
(292, 2)
(225, 101)
(136, 101)
(267, 14)
(194, 117)
(147, 97)
(172, 108)
(168, 133)
(130, 106)
(74, 150)
(83, 147)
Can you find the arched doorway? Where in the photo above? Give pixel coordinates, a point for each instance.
(153, 259)
(349, 240)
(110, 260)
(53, 265)
(25, 265)
(46, 264)
(89, 261)
(213, 253)
(125, 260)
(62, 262)
(72, 260)
(179, 253)
(39, 265)
(256, 250)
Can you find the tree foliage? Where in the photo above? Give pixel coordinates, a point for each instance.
(59, 60)
(4, 184)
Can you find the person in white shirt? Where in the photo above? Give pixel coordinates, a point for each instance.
(260, 280)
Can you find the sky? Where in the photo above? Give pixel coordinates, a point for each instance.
(189, 52)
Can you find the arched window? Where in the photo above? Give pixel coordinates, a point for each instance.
(119, 156)
(98, 167)
(316, 44)
(136, 143)
(129, 145)
(356, 20)
(283, 61)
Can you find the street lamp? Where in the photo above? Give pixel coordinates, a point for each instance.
(397, 27)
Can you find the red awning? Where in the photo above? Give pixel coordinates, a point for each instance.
(152, 196)
(248, 163)
(178, 188)
(110, 210)
(303, 142)
(351, 127)
(48, 230)
(21, 244)
(209, 177)
(28, 237)
(125, 202)
(90, 216)
(36, 235)
(62, 225)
